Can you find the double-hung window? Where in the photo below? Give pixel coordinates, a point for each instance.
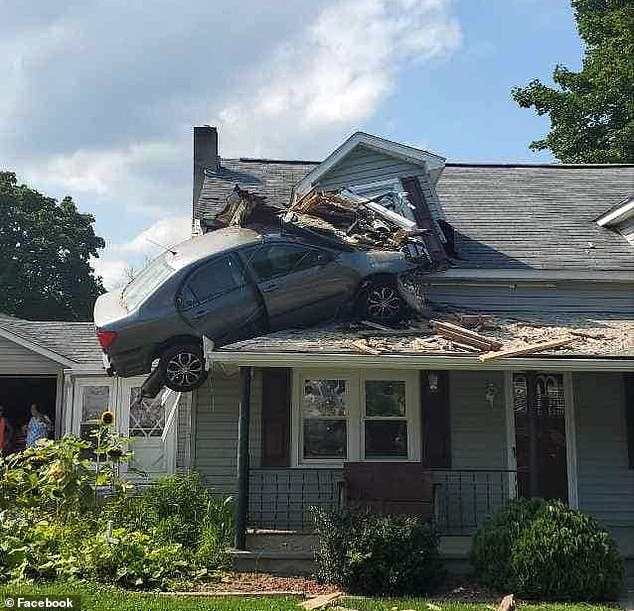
(372, 416)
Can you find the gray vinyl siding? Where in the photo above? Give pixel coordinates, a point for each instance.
(16, 360)
(363, 166)
(216, 428)
(478, 431)
(496, 296)
(605, 484)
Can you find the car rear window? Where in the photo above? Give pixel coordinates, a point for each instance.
(147, 281)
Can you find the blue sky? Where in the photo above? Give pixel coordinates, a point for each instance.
(99, 98)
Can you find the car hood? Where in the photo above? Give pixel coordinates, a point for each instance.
(108, 308)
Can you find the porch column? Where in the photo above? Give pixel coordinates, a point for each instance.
(242, 503)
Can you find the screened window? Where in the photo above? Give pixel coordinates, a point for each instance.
(147, 417)
(324, 413)
(282, 259)
(216, 278)
(357, 416)
(385, 419)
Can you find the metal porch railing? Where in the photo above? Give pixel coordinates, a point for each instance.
(283, 499)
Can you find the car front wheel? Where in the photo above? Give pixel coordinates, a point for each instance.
(382, 302)
(182, 367)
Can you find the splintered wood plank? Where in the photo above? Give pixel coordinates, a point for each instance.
(528, 349)
(361, 346)
(319, 602)
(507, 603)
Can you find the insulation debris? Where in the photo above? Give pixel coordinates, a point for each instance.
(552, 335)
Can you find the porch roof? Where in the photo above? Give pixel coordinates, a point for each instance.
(594, 338)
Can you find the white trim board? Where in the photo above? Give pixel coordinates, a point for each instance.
(415, 361)
(33, 347)
(614, 217)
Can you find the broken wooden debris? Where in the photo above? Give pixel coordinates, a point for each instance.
(358, 221)
(465, 336)
(507, 603)
(526, 349)
(320, 602)
(361, 346)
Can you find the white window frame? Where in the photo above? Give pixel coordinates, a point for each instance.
(80, 384)
(355, 399)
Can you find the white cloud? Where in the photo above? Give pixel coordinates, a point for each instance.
(121, 260)
(99, 98)
(331, 77)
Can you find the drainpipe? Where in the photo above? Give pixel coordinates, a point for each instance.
(242, 503)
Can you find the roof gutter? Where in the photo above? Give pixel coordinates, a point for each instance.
(416, 361)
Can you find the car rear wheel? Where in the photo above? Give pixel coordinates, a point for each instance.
(382, 302)
(182, 367)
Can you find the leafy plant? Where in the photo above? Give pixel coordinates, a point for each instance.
(368, 553)
(540, 549)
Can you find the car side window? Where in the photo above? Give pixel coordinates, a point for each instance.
(214, 279)
(275, 260)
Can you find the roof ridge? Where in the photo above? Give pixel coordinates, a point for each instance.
(565, 166)
(269, 160)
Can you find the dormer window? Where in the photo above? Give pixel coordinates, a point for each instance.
(620, 218)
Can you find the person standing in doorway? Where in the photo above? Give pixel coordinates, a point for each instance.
(38, 427)
(6, 433)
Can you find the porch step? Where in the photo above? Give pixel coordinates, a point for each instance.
(293, 553)
(283, 563)
(281, 541)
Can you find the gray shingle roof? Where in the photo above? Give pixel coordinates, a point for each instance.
(507, 216)
(539, 217)
(74, 340)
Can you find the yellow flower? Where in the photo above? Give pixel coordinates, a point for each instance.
(107, 418)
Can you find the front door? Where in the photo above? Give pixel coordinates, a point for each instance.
(151, 425)
(540, 431)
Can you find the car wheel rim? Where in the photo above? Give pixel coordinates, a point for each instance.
(383, 302)
(184, 369)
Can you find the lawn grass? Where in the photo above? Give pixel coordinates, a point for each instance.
(104, 598)
(417, 604)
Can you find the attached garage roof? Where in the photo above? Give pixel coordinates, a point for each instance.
(66, 342)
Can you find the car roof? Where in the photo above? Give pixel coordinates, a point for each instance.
(220, 240)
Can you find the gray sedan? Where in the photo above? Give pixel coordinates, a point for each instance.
(233, 284)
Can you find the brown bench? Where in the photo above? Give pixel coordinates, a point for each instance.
(391, 487)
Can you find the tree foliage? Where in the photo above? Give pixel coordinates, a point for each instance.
(45, 250)
(591, 111)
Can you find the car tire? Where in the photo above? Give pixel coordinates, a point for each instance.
(382, 302)
(182, 367)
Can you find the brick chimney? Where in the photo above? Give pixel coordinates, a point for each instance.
(205, 158)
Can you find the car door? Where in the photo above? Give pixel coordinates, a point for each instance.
(300, 284)
(218, 301)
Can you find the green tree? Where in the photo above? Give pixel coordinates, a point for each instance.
(591, 111)
(45, 248)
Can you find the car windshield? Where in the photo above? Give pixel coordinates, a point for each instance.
(147, 281)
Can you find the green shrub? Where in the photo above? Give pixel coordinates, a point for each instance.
(494, 540)
(565, 554)
(367, 553)
(135, 560)
(546, 550)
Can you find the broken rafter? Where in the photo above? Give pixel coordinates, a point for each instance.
(527, 349)
(361, 346)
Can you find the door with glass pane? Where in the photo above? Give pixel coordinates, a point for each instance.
(92, 398)
(540, 431)
(151, 425)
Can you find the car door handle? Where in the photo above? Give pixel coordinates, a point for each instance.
(269, 287)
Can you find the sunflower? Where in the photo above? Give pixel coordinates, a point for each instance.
(107, 418)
